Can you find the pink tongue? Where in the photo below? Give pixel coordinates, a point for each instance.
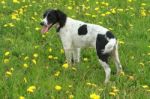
(44, 29)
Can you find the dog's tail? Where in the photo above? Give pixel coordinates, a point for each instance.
(111, 43)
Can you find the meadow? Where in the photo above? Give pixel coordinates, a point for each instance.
(33, 66)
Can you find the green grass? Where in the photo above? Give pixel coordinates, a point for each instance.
(24, 39)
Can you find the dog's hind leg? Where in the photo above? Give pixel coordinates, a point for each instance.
(115, 57)
(76, 55)
(103, 61)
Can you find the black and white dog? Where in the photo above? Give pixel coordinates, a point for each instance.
(76, 34)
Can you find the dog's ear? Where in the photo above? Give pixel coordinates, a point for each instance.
(61, 17)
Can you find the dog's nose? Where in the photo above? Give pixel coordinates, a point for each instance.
(42, 23)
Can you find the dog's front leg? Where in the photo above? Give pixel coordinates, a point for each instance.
(68, 54)
(76, 55)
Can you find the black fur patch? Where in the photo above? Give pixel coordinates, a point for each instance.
(109, 35)
(101, 41)
(82, 30)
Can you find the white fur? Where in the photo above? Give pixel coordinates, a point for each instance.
(72, 42)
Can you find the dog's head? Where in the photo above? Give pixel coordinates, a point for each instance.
(51, 17)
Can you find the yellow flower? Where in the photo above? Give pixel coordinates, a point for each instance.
(6, 61)
(35, 55)
(31, 89)
(21, 97)
(37, 29)
(8, 73)
(12, 69)
(16, 1)
(61, 51)
(11, 24)
(122, 73)
(25, 79)
(50, 57)
(3, 2)
(50, 49)
(85, 59)
(34, 61)
(96, 9)
(103, 14)
(94, 96)
(58, 88)
(143, 4)
(71, 96)
(145, 86)
(143, 12)
(73, 68)
(129, 0)
(57, 73)
(69, 7)
(26, 58)
(55, 58)
(65, 66)
(141, 63)
(93, 16)
(112, 93)
(7, 53)
(25, 65)
(113, 10)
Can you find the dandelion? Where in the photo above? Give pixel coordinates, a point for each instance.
(21, 97)
(93, 16)
(69, 8)
(50, 49)
(50, 57)
(26, 58)
(112, 93)
(121, 42)
(12, 69)
(61, 51)
(113, 11)
(16, 1)
(122, 73)
(57, 73)
(3, 2)
(141, 63)
(143, 12)
(145, 86)
(103, 14)
(6, 61)
(37, 29)
(131, 77)
(58, 88)
(35, 55)
(85, 59)
(31, 89)
(7, 53)
(65, 65)
(70, 86)
(143, 4)
(129, 0)
(8, 73)
(34, 61)
(94, 96)
(25, 79)
(71, 96)
(25, 65)
(55, 58)
(73, 68)
(96, 9)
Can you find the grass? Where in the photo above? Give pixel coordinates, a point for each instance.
(24, 51)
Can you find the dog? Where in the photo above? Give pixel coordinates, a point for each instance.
(76, 34)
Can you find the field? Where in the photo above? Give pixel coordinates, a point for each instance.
(33, 66)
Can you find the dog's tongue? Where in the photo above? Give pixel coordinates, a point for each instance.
(44, 29)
